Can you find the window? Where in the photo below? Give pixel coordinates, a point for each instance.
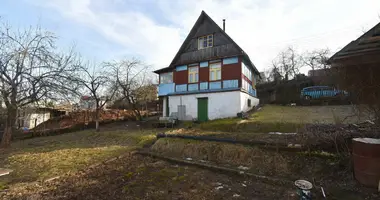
(249, 102)
(205, 41)
(215, 71)
(193, 74)
(166, 77)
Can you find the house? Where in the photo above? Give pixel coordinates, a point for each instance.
(89, 103)
(210, 77)
(363, 51)
(32, 117)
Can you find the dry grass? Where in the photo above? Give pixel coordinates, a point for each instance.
(306, 114)
(317, 166)
(260, 161)
(45, 157)
(273, 118)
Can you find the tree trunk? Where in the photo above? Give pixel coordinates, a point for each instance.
(9, 128)
(137, 112)
(97, 120)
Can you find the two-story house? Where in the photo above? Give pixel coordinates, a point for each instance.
(210, 77)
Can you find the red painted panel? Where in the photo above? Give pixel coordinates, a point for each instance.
(180, 77)
(245, 78)
(204, 74)
(232, 71)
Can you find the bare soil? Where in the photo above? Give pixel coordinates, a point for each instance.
(137, 177)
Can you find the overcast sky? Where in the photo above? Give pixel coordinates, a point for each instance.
(154, 30)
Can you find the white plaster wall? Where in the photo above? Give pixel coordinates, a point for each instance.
(41, 117)
(244, 101)
(220, 105)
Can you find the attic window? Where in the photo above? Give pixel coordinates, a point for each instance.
(205, 41)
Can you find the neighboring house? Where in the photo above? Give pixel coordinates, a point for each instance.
(210, 77)
(322, 76)
(363, 51)
(32, 117)
(89, 103)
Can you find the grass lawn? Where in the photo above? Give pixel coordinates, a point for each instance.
(273, 118)
(46, 157)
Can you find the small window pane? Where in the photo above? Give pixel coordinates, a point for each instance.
(218, 73)
(211, 75)
(210, 37)
(196, 77)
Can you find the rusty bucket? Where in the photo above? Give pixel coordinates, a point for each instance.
(366, 156)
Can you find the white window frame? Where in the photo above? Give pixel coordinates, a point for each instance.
(164, 75)
(215, 70)
(209, 41)
(194, 73)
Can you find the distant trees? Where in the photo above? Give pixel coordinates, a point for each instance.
(288, 63)
(133, 83)
(95, 80)
(317, 59)
(31, 71)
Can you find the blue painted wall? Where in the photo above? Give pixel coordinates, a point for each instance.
(181, 68)
(203, 64)
(193, 87)
(252, 91)
(232, 60)
(165, 89)
(230, 84)
(215, 85)
(204, 85)
(181, 88)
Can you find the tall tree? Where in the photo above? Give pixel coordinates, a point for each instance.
(95, 81)
(130, 77)
(317, 59)
(31, 70)
(286, 65)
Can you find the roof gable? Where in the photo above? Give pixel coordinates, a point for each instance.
(368, 42)
(223, 45)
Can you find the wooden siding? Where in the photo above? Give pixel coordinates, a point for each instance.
(225, 50)
(180, 77)
(181, 88)
(181, 68)
(203, 64)
(245, 78)
(203, 85)
(231, 83)
(215, 85)
(232, 71)
(232, 60)
(165, 89)
(204, 74)
(193, 87)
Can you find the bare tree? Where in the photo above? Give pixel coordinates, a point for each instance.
(95, 81)
(286, 65)
(31, 71)
(317, 59)
(130, 76)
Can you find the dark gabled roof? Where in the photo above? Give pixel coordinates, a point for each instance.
(193, 30)
(367, 43)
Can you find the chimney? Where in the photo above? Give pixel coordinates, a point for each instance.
(224, 24)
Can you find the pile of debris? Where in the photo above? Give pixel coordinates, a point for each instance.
(331, 137)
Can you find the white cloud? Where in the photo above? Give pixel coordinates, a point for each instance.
(262, 28)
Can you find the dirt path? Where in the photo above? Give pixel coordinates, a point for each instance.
(138, 177)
